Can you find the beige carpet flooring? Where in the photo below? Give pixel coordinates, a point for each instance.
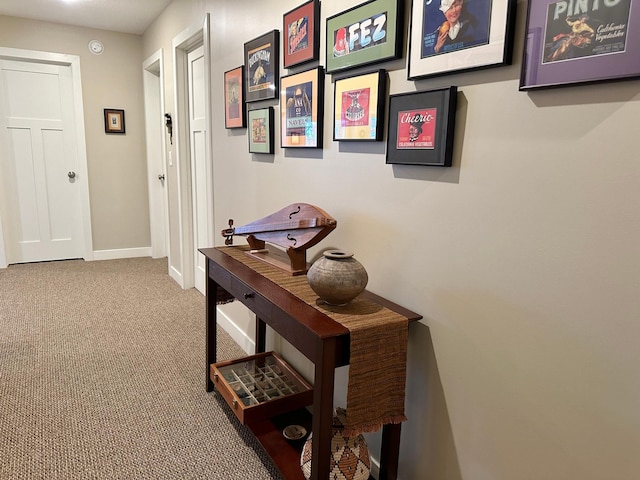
(102, 377)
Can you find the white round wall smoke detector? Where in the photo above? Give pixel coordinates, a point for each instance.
(96, 47)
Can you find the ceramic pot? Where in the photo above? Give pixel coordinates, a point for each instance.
(349, 455)
(337, 277)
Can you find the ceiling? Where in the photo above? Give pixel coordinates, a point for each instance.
(128, 16)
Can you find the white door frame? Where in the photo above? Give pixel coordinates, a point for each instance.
(153, 75)
(183, 43)
(72, 61)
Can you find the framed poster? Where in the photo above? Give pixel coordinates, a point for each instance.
(459, 35)
(261, 130)
(302, 102)
(262, 67)
(580, 42)
(113, 120)
(301, 28)
(421, 126)
(358, 107)
(234, 111)
(365, 34)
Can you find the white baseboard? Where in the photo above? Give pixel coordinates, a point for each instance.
(375, 466)
(237, 334)
(176, 275)
(121, 253)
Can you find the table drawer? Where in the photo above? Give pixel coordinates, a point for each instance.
(260, 386)
(254, 301)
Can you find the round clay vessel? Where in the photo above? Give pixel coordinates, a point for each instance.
(337, 277)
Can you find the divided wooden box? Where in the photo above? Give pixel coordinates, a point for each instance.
(260, 386)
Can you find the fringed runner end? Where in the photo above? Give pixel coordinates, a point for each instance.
(355, 430)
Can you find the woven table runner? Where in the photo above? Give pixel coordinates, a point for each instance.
(378, 361)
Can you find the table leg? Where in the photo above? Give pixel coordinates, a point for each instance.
(211, 323)
(323, 386)
(261, 333)
(390, 450)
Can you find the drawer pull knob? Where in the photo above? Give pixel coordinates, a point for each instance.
(235, 403)
(215, 378)
(248, 295)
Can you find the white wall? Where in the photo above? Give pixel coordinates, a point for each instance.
(522, 257)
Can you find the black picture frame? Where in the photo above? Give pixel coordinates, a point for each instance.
(234, 104)
(485, 39)
(114, 121)
(366, 34)
(302, 109)
(358, 107)
(301, 34)
(262, 67)
(421, 127)
(576, 43)
(260, 128)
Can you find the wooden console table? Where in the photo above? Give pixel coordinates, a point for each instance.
(321, 339)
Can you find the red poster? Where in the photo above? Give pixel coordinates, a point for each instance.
(355, 107)
(417, 129)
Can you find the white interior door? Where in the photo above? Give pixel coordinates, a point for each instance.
(156, 168)
(39, 179)
(197, 140)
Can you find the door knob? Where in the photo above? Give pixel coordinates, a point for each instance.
(72, 174)
(161, 177)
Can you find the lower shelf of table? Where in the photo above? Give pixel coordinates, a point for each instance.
(284, 453)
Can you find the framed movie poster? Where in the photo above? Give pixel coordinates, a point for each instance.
(365, 34)
(458, 35)
(569, 42)
(301, 29)
(421, 126)
(358, 106)
(234, 111)
(262, 67)
(302, 98)
(261, 130)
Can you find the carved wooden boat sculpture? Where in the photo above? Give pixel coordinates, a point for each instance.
(295, 228)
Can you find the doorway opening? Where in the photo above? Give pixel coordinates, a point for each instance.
(192, 146)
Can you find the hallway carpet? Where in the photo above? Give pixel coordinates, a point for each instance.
(102, 377)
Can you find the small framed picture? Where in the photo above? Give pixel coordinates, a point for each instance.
(261, 130)
(301, 109)
(358, 106)
(459, 35)
(569, 43)
(301, 32)
(234, 111)
(421, 126)
(365, 34)
(113, 120)
(262, 67)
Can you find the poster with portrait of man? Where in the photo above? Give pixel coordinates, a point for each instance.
(451, 25)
